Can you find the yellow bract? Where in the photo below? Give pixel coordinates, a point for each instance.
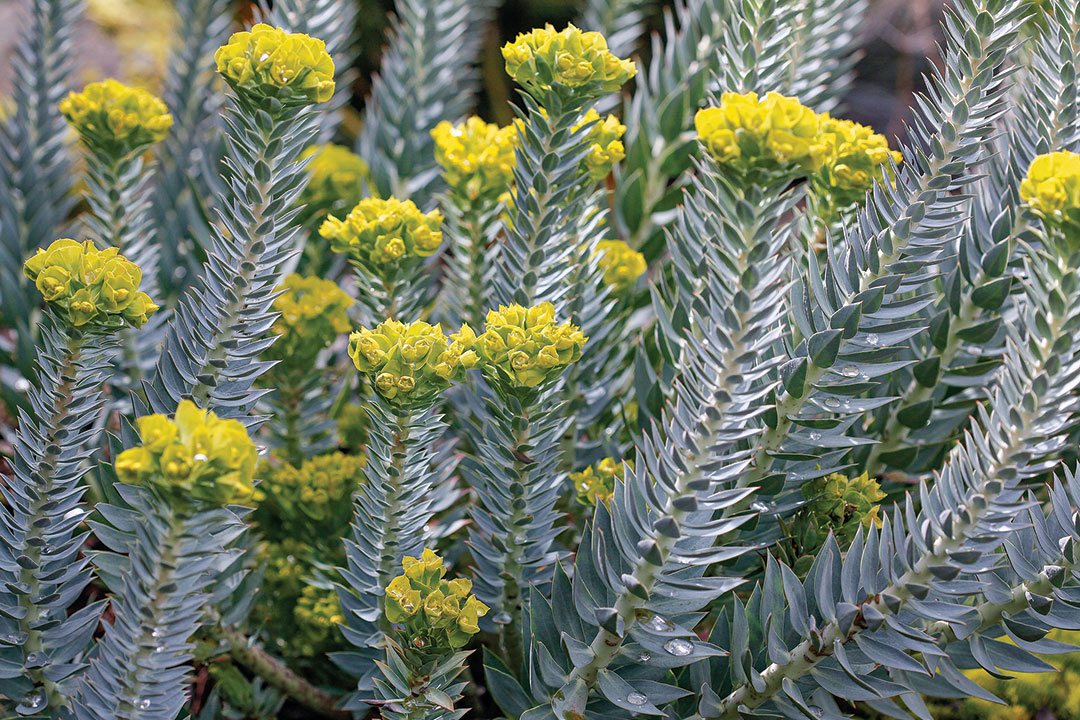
(381, 234)
(313, 313)
(337, 179)
(597, 482)
(196, 457)
(544, 58)
(116, 118)
(855, 156)
(774, 134)
(526, 345)
(622, 264)
(96, 288)
(436, 614)
(605, 143)
(412, 363)
(1052, 189)
(317, 615)
(477, 158)
(269, 62)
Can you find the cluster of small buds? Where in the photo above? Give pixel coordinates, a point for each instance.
(434, 613)
(544, 60)
(622, 264)
(194, 458)
(314, 312)
(605, 143)
(337, 180)
(380, 235)
(775, 135)
(317, 615)
(268, 62)
(526, 346)
(597, 482)
(115, 118)
(412, 363)
(477, 158)
(309, 502)
(94, 288)
(841, 504)
(1052, 190)
(855, 156)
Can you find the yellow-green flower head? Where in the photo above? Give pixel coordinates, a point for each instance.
(775, 134)
(435, 613)
(196, 457)
(543, 59)
(526, 345)
(381, 234)
(1052, 190)
(855, 156)
(605, 143)
(597, 482)
(311, 502)
(116, 118)
(477, 158)
(621, 263)
(269, 62)
(412, 363)
(317, 615)
(840, 504)
(337, 180)
(313, 313)
(94, 288)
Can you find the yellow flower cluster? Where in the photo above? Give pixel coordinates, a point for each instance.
(380, 234)
(196, 457)
(526, 345)
(477, 157)
(269, 62)
(855, 156)
(621, 263)
(311, 502)
(115, 118)
(841, 504)
(317, 616)
(313, 313)
(774, 134)
(94, 287)
(597, 482)
(605, 143)
(337, 179)
(412, 363)
(542, 59)
(1052, 189)
(436, 613)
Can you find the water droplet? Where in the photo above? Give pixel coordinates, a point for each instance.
(644, 657)
(158, 632)
(832, 403)
(502, 619)
(264, 57)
(679, 647)
(33, 700)
(636, 698)
(200, 457)
(849, 371)
(815, 435)
(17, 638)
(872, 339)
(142, 704)
(818, 711)
(658, 624)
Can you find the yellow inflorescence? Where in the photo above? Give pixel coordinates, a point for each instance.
(310, 502)
(842, 504)
(597, 482)
(855, 156)
(526, 345)
(380, 234)
(115, 117)
(605, 143)
(317, 615)
(313, 313)
(337, 180)
(97, 288)
(621, 263)
(570, 58)
(195, 457)
(412, 362)
(435, 613)
(774, 134)
(477, 158)
(1052, 189)
(269, 62)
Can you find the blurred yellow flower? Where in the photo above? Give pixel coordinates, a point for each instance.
(115, 118)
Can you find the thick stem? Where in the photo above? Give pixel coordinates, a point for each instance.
(389, 559)
(510, 640)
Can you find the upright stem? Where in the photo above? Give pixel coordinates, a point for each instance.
(389, 559)
(510, 640)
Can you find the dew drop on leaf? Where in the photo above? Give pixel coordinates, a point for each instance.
(815, 435)
(832, 403)
(850, 371)
(32, 700)
(636, 698)
(872, 339)
(142, 704)
(679, 647)
(644, 657)
(658, 624)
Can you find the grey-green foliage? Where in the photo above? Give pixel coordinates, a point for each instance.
(212, 346)
(824, 49)
(188, 153)
(163, 570)
(427, 75)
(42, 648)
